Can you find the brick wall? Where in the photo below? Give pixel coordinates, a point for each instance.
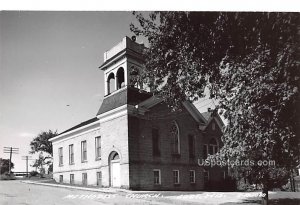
(142, 161)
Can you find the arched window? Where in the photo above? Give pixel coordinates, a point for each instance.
(120, 78)
(115, 156)
(110, 83)
(213, 146)
(175, 137)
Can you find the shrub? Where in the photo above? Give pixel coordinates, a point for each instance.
(33, 173)
(7, 176)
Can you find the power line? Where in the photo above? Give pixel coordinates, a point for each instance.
(11, 151)
(26, 158)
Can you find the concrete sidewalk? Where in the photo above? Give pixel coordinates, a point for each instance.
(96, 189)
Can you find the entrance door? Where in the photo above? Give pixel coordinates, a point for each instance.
(116, 179)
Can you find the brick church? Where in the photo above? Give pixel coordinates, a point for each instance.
(135, 141)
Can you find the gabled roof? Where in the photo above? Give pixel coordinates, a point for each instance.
(209, 116)
(129, 95)
(190, 107)
(150, 102)
(206, 115)
(80, 125)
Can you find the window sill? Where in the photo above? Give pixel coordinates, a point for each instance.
(177, 184)
(61, 165)
(84, 161)
(98, 159)
(71, 163)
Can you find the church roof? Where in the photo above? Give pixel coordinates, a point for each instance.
(129, 95)
(80, 125)
(206, 115)
(210, 115)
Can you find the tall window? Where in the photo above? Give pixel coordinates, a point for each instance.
(71, 154)
(155, 142)
(191, 146)
(98, 147)
(71, 178)
(192, 176)
(205, 151)
(99, 178)
(157, 178)
(84, 179)
(175, 138)
(176, 176)
(83, 151)
(213, 146)
(60, 156)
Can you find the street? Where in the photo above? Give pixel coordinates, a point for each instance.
(16, 192)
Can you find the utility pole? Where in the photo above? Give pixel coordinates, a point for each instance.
(26, 158)
(11, 151)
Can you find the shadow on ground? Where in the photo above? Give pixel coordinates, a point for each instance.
(271, 202)
(276, 201)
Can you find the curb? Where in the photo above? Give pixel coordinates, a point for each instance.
(113, 191)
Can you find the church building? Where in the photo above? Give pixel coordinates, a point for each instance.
(135, 141)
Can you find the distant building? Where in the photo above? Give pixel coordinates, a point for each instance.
(135, 141)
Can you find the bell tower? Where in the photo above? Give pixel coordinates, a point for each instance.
(122, 65)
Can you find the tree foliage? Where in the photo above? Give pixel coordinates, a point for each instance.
(4, 165)
(41, 162)
(41, 143)
(249, 62)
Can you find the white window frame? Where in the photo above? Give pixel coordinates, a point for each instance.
(99, 176)
(98, 147)
(83, 157)
(159, 176)
(60, 156)
(176, 178)
(71, 154)
(193, 176)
